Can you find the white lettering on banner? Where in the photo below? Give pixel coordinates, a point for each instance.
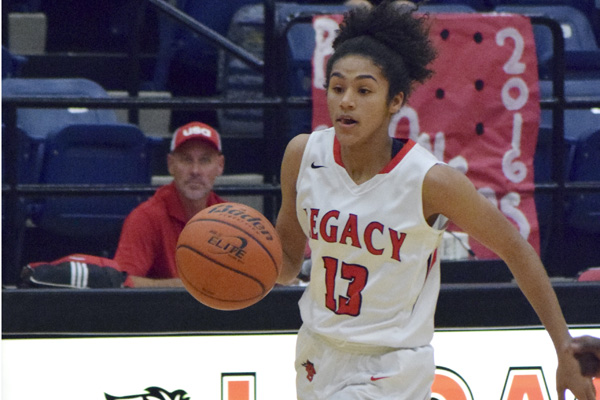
(515, 171)
(325, 29)
(413, 122)
(489, 194)
(460, 163)
(196, 130)
(514, 65)
(511, 103)
(438, 148)
(509, 205)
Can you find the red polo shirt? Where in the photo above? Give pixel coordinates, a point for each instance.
(150, 232)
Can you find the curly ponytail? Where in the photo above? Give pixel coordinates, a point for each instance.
(393, 38)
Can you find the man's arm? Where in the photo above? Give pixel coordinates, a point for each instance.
(136, 250)
(139, 282)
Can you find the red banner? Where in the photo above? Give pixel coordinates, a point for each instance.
(480, 111)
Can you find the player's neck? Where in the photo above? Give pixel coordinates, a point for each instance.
(364, 163)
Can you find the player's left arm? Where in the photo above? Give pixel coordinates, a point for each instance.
(448, 192)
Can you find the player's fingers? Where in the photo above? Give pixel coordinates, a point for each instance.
(586, 343)
(591, 394)
(561, 388)
(588, 393)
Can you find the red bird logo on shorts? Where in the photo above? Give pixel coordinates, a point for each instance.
(310, 370)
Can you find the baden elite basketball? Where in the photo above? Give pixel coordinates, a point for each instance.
(229, 256)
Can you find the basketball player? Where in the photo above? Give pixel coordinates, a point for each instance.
(373, 209)
(149, 236)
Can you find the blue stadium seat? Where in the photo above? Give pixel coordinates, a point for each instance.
(29, 156)
(12, 64)
(448, 7)
(237, 80)
(579, 124)
(583, 209)
(38, 122)
(477, 5)
(92, 154)
(590, 8)
(177, 41)
(582, 55)
(34, 124)
(542, 166)
(300, 38)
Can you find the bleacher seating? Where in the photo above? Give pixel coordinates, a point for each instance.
(582, 55)
(39, 122)
(178, 71)
(12, 64)
(35, 124)
(236, 80)
(477, 5)
(92, 154)
(583, 209)
(590, 8)
(579, 125)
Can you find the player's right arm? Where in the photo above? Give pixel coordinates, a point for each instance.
(293, 240)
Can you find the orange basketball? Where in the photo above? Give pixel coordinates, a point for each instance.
(229, 256)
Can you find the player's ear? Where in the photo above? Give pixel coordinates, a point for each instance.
(221, 163)
(396, 103)
(170, 163)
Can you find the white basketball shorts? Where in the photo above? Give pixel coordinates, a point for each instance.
(330, 370)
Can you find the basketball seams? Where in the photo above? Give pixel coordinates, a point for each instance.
(251, 236)
(224, 300)
(222, 265)
(204, 255)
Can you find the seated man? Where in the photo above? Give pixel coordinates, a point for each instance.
(146, 249)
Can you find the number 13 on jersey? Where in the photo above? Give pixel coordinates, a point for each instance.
(355, 274)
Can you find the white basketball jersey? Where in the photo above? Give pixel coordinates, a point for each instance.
(375, 273)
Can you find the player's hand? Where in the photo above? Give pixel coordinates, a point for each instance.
(568, 376)
(587, 352)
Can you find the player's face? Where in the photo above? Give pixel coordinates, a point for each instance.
(357, 100)
(194, 166)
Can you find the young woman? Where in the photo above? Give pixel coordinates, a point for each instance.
(373, 209)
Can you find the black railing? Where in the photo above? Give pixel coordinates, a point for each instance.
(554, 256)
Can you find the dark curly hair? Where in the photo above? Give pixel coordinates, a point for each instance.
(393, 38)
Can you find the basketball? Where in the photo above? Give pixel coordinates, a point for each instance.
(229, 256)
